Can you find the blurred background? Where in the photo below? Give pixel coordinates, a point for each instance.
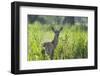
(58, 19)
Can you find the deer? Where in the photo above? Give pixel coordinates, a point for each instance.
(49, 47)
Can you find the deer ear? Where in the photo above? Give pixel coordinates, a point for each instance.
(52, 28)
(61, 28)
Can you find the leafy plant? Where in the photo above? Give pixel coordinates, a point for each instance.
(73, 41)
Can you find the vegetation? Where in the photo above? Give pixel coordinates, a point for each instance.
(73, 41)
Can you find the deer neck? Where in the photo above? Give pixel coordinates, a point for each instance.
(55, 40)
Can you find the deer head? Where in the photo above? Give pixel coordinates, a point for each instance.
(56, 31)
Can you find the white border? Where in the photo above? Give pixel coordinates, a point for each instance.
(25, 65)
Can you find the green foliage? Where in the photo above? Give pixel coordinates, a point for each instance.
(73, 41)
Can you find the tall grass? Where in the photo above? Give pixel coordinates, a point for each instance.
(73, 41)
